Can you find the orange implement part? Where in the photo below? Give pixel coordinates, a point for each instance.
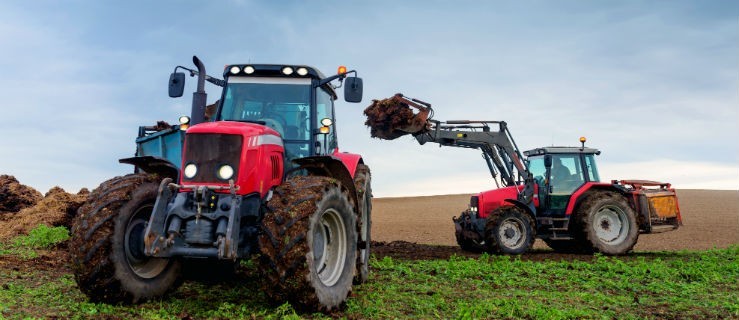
(663, 204)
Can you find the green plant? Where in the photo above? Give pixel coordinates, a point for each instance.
(42, 237)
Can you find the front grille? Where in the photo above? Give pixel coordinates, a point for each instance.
(275, 167)
(209, 151)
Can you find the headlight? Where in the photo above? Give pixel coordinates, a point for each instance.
(287, 71)
(235, 70)
(191, 170)
(302, 71)
(249, 70)
(225, 172)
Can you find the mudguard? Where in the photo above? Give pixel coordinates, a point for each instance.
(577, 195)
(350, 160)
(333, 167)
(526, 207)
(156, 165)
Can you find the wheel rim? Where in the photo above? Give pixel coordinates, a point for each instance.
(611, 224)
(512, 233)
(142, 265)
(329, 247)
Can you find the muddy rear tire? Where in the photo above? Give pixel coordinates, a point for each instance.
(106, 247)
(362, 182)
(509, 230)
(607, 224)
(308, 244)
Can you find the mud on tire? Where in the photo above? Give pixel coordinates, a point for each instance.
(509, 230)
(362, 182)
(106, 255)
(467, 237)
(308, 244)
(606, 223)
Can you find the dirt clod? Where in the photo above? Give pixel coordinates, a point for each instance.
(56, 208)
(15, 196)
(387, 118)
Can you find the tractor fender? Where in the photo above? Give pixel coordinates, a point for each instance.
(525, 207)
(332, 167)
(579, 194)
(350, 160)
(156, 165)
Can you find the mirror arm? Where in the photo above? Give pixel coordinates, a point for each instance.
(215, 81)
(334, 77)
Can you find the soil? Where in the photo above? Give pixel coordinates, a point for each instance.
(15, 196)
(56, 208)
(421, 227)
(387, 117)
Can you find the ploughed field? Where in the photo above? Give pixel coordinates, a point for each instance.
(417, 270)
(422, 228)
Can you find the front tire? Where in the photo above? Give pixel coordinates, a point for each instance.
(466, 234)
(607, 223)
(309, 244)
(362, 182)
(107, 245)
(509, 230)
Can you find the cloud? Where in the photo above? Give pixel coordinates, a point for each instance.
(642, 81)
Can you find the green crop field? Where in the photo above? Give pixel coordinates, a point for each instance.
(35, 283)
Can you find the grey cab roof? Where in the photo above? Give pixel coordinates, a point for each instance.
(560, 150)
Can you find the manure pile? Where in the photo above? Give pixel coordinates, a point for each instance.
(22, 208)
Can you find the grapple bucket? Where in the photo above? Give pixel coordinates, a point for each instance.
(394, 117)
(658, 206)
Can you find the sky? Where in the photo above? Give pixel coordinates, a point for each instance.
(653, 84)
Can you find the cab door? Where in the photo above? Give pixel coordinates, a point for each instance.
(565, 176)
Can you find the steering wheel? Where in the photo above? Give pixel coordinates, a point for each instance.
(274, 124)
(277, 117)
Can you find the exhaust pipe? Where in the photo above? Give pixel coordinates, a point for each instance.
(199, 97)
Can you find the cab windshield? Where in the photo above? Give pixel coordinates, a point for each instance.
(279, 103)
(282, 104)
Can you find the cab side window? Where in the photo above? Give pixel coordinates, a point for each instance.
(325, 109)
(567, 174)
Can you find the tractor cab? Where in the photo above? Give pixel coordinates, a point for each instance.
(559, 172)
(295, 101)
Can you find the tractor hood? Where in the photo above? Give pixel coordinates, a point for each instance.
(233, 127)
(249, 154)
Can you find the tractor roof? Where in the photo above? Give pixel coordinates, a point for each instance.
(276, 70)
(270, 70)
(560, 150)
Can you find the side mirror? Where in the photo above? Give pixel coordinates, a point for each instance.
(176, 84)
(548, 161)
(353, 89)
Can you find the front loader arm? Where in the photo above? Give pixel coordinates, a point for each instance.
(400, 115)
(498, 148)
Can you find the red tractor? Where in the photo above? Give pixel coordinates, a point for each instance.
(554, 194)
(264, 176)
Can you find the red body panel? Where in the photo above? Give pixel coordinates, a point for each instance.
(579, 192)
(262, 155)
(350, 160)
(493, 199)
